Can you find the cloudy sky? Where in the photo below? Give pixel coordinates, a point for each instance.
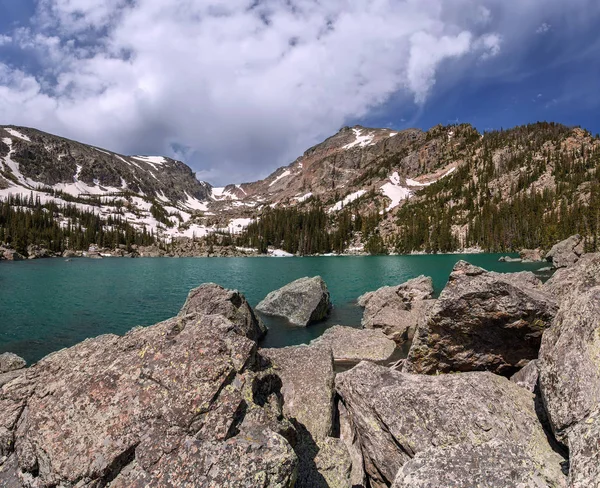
(237, 88)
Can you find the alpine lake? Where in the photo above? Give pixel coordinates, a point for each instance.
(50, 304)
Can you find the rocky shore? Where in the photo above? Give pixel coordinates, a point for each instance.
(500, 388)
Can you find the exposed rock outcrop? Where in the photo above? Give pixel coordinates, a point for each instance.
(567, 252)
(9, 254)
(11, 362)
(482, 321)
(180, 403)
(575, 279)
(212, 299)
(302, 302)
(570, 382)
(396, 310)
(420, 430)
(351, 345)
(531, 255)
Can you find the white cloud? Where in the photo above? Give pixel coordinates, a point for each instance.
(542, 29)
(243, 85)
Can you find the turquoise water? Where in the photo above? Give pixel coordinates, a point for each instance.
(46, 305)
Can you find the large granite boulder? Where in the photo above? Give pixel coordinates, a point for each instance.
(575, 279)
(566, 252)
(11, 362)
(396, 310)
(351, 345)
(482, 321)
(302, 302)
(569, 382)
(180, 403)
(415, 428)
(307, 388)
(212, 299)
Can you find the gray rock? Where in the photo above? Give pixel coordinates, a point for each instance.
(211, 299)
(352, 345)
(482, 321)
(584, 452)
(527, 377)
(575, 279)
(566, 252)
(11, 362)
(396, 310)
(302, 302)
(532, 255)
(508, 259)
(11, 375)
(10, 255)
(397, 416)
(180, 403)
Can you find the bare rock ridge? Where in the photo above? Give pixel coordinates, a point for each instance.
(194, 401)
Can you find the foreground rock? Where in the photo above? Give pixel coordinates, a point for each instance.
(575, 279)
(350, 345)
(482, 321)
(11, 362)
(307, 387)
(302, 302)
(570, 382)
(446, 430)
(396, 310)
(566, 252)
(181, 403)
(212, 299)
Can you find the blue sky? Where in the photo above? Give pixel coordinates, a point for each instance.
(237, 89)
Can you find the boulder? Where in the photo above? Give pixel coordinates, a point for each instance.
(411, 427)
(211, 299)
(37, 252)
(527, 377)
(396, 310)
(351, 345)
(531, 255)
(566, 252)
(10, 255)
(508, 259)
(180, 403)
(569, 382)
(575, 279)
(11, 362)
(482, 321)
(307, 388)
(302, 302)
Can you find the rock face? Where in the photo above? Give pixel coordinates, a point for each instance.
(447, 430)
(181, 403)
(531, 255)
(570, 382)
(11, 362)
(354, 345)
(528, 376)
(302, 302)
(212, 299)
(575, 279)
(482, 321)
(396, 310)
(566, 252)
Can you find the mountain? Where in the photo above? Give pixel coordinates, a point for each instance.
(370, 189)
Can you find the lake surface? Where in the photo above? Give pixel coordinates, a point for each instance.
(46, 305)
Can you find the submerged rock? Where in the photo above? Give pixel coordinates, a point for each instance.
(352, 345)
(396, 310)
(11, 362)
(570, 382)
(211, 299)
(566, 252)
(423, 431)
(482, 321)
(180, 403)
(302, 302)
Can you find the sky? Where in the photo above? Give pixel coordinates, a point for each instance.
(236, 89)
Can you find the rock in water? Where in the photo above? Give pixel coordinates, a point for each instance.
(175, 404)
(482, 321)
(531, 255)
(350, 345)
(396, 310)
(570, 383)
(212, 299)
(575, 279)
(302, 302)
(431, 431)
(11, 362)
(566, 252)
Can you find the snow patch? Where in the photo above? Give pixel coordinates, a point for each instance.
(396, 193)
(150, 159)
(360, 141)
(279, 253)
(16, 133)
(303, 198)
(282, 175)
(349, 199)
